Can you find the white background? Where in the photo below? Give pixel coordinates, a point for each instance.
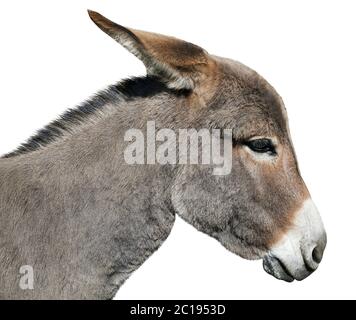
(53, 57)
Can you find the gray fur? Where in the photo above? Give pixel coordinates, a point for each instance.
(85, 220)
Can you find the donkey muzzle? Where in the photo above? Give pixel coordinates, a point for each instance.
(300, 251)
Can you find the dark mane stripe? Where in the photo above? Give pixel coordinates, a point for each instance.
(123, 91)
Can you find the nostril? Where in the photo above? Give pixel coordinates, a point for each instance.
(317, 254)
(313, 254)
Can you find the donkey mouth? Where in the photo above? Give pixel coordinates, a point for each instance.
(276, 268)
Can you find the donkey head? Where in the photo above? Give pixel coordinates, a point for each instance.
(262, 209)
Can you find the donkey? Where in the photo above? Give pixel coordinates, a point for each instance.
(79, 220)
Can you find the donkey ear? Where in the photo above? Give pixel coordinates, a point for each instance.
(178, 63)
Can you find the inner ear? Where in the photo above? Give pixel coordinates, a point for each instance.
(178, 63)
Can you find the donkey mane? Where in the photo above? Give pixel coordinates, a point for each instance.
(125, 90)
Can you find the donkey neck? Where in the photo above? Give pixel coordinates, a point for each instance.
(108, 216)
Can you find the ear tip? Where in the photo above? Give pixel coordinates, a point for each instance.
(93, 14)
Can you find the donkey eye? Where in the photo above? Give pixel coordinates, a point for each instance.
(261, 146)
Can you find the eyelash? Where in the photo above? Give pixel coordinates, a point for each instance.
(262, 145)
(267, 148)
